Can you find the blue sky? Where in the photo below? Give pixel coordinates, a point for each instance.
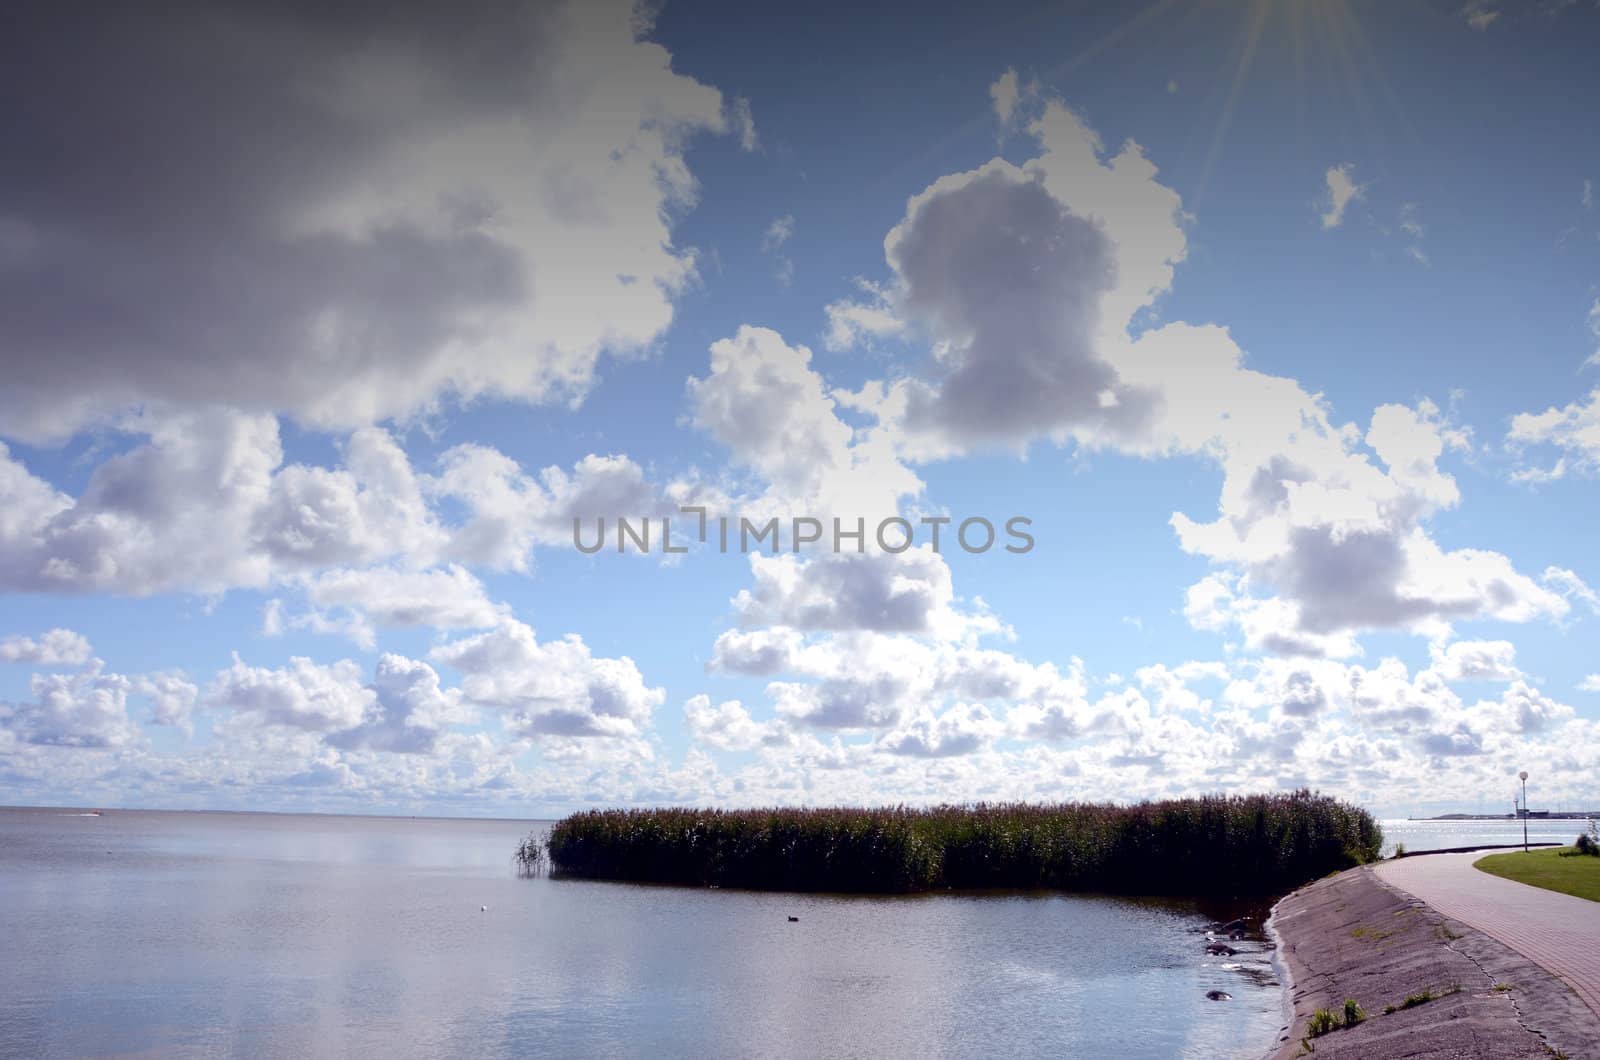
(1278, 320)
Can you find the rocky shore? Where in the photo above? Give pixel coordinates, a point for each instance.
(1427, 987)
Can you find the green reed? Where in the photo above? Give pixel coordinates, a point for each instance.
(1212, 845)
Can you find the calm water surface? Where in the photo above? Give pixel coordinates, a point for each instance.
(1441, 835)
(188, 934)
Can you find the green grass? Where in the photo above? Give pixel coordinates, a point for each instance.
(1255, 845)
(1561, 869)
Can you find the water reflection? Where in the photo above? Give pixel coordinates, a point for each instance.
(198, 934)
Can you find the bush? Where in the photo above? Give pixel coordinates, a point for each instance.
(1322, 1022)
(1588, 842)
(1215, 845)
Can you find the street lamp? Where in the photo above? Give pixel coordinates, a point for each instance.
(1524, 777)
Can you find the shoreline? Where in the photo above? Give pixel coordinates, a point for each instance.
(1351, 935)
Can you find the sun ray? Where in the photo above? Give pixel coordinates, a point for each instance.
(1259, 12)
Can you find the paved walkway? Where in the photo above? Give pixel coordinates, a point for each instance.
(1557, 931)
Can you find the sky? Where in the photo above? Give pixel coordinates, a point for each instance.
(1264, 336)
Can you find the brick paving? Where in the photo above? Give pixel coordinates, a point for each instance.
(1557, 931)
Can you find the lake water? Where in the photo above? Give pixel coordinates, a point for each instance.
(189, 934)
(1441, 835)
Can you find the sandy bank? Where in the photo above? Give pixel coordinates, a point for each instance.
(1353, 936)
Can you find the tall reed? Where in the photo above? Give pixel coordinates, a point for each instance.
(1212, 845)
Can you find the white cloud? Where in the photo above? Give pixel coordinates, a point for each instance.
(205, 504)
(303, 695)
(961, 730)
(1003, 95)
(57, 647)
(1571, 586)
(728, 726)
(1475, 660)
(412, 711)
(758, 652)
(510, 511)
(1590, 683)
(87, 709)
(395, 599)
(1574, 429)
(764, 401)
(136, 529)
(370, 508)
(173, 697)
(1342, 191)
(557, 688)
(851, 323)
(909, 592)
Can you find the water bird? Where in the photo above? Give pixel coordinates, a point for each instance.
(483, 909)
(794, 920)
(1218, 995)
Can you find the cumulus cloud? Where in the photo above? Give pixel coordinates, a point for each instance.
(961, 730)
(56, 647)
(173, 697)
(757, 652)
(87, 709)
(359, 602)
(859, 680)
(1475, 660)
(136, 527)
(908, 592)
(1329, 518)
(445, 201)
(203, 502)
(302, 695)
(1022, 279)
(1008, 282)
(509, 511)
(371, 507)
(728, 726)
(1342, 191)
(774, 412)
(412, 710)
(556, 688)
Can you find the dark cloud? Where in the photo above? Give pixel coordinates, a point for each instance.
(1010, 282)
(270, 205)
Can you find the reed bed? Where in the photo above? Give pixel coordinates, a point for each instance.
(1216, 845)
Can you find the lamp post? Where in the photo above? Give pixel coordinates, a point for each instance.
(1524, 777)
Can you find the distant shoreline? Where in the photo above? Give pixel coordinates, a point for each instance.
(1536, 815)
